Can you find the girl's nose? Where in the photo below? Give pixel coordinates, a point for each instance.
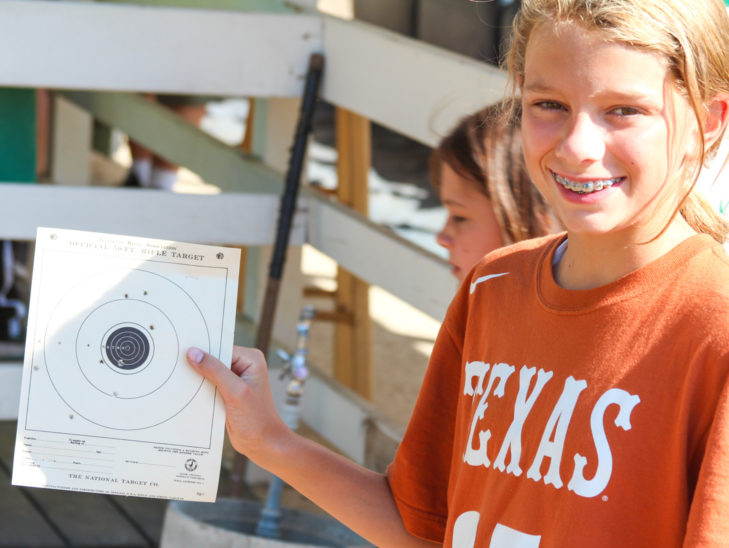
(583, 140)
(443, 239)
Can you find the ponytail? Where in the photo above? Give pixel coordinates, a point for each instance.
(703, 218)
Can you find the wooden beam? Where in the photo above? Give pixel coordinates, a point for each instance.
(226, 219)
(87, 45)
(331, 409)
(409, 86)
(71, 143)
(354, 159)
(167, 134)
(353, 340)
(246, 146)
(359, 245)
(414, 88)
(349, 238)
(268, 6)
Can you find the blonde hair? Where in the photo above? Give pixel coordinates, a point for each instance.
(485, 148)
(691, 35)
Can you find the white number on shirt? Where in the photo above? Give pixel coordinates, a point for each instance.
(466, 526)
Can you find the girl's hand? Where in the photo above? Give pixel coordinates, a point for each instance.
(252, 422)
(358, 497)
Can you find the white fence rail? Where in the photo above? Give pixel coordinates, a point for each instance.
(408, 86)
(402, 83)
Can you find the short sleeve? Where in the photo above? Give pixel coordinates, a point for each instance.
(419, 475)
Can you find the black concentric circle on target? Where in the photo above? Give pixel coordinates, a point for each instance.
(126, 348)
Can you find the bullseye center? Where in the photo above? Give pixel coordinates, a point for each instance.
(126, 347)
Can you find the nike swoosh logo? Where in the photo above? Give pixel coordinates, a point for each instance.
(484, 278)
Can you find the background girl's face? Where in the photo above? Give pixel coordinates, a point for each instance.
(605, 131)
(471, 229)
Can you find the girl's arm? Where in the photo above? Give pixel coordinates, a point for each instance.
(356, 496)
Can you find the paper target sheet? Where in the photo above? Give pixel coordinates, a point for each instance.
(109, 403)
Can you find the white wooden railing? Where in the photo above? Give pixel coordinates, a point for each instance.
(93, 51)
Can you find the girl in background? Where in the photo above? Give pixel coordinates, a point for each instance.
(478, 170)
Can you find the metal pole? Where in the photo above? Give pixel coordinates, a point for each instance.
(285, 219)
(297, 371)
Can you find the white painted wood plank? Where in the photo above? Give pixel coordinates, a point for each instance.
(225, 219)
(333, 411)
(336, 416)
(357, 244)
(379, 256)
(136, 48)
(328, 410)
(71, 143)
(409, 86)
(10, 377)
(412, 87)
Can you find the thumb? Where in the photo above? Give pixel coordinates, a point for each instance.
(211, 368)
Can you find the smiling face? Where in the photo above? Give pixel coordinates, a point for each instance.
(471, 229)
(605, 132)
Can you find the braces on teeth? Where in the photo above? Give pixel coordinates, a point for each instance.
(586, 187)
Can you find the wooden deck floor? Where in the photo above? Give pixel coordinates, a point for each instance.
(49, 518)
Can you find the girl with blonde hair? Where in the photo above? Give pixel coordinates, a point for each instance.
(578, 392)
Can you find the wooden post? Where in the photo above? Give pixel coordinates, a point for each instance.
(246, 146)
(71, 143)
(353, 340)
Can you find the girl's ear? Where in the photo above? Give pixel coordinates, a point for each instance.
(717, 118)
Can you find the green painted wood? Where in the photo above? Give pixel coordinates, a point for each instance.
(17, 135)
(101, 138)
(260, 127)
(168, 135)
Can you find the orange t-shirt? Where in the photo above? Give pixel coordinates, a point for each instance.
(558, 418)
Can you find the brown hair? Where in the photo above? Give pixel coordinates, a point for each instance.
(691, 35)
(485, 148)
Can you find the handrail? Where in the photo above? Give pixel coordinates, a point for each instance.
(414, 88)
(349, 238)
